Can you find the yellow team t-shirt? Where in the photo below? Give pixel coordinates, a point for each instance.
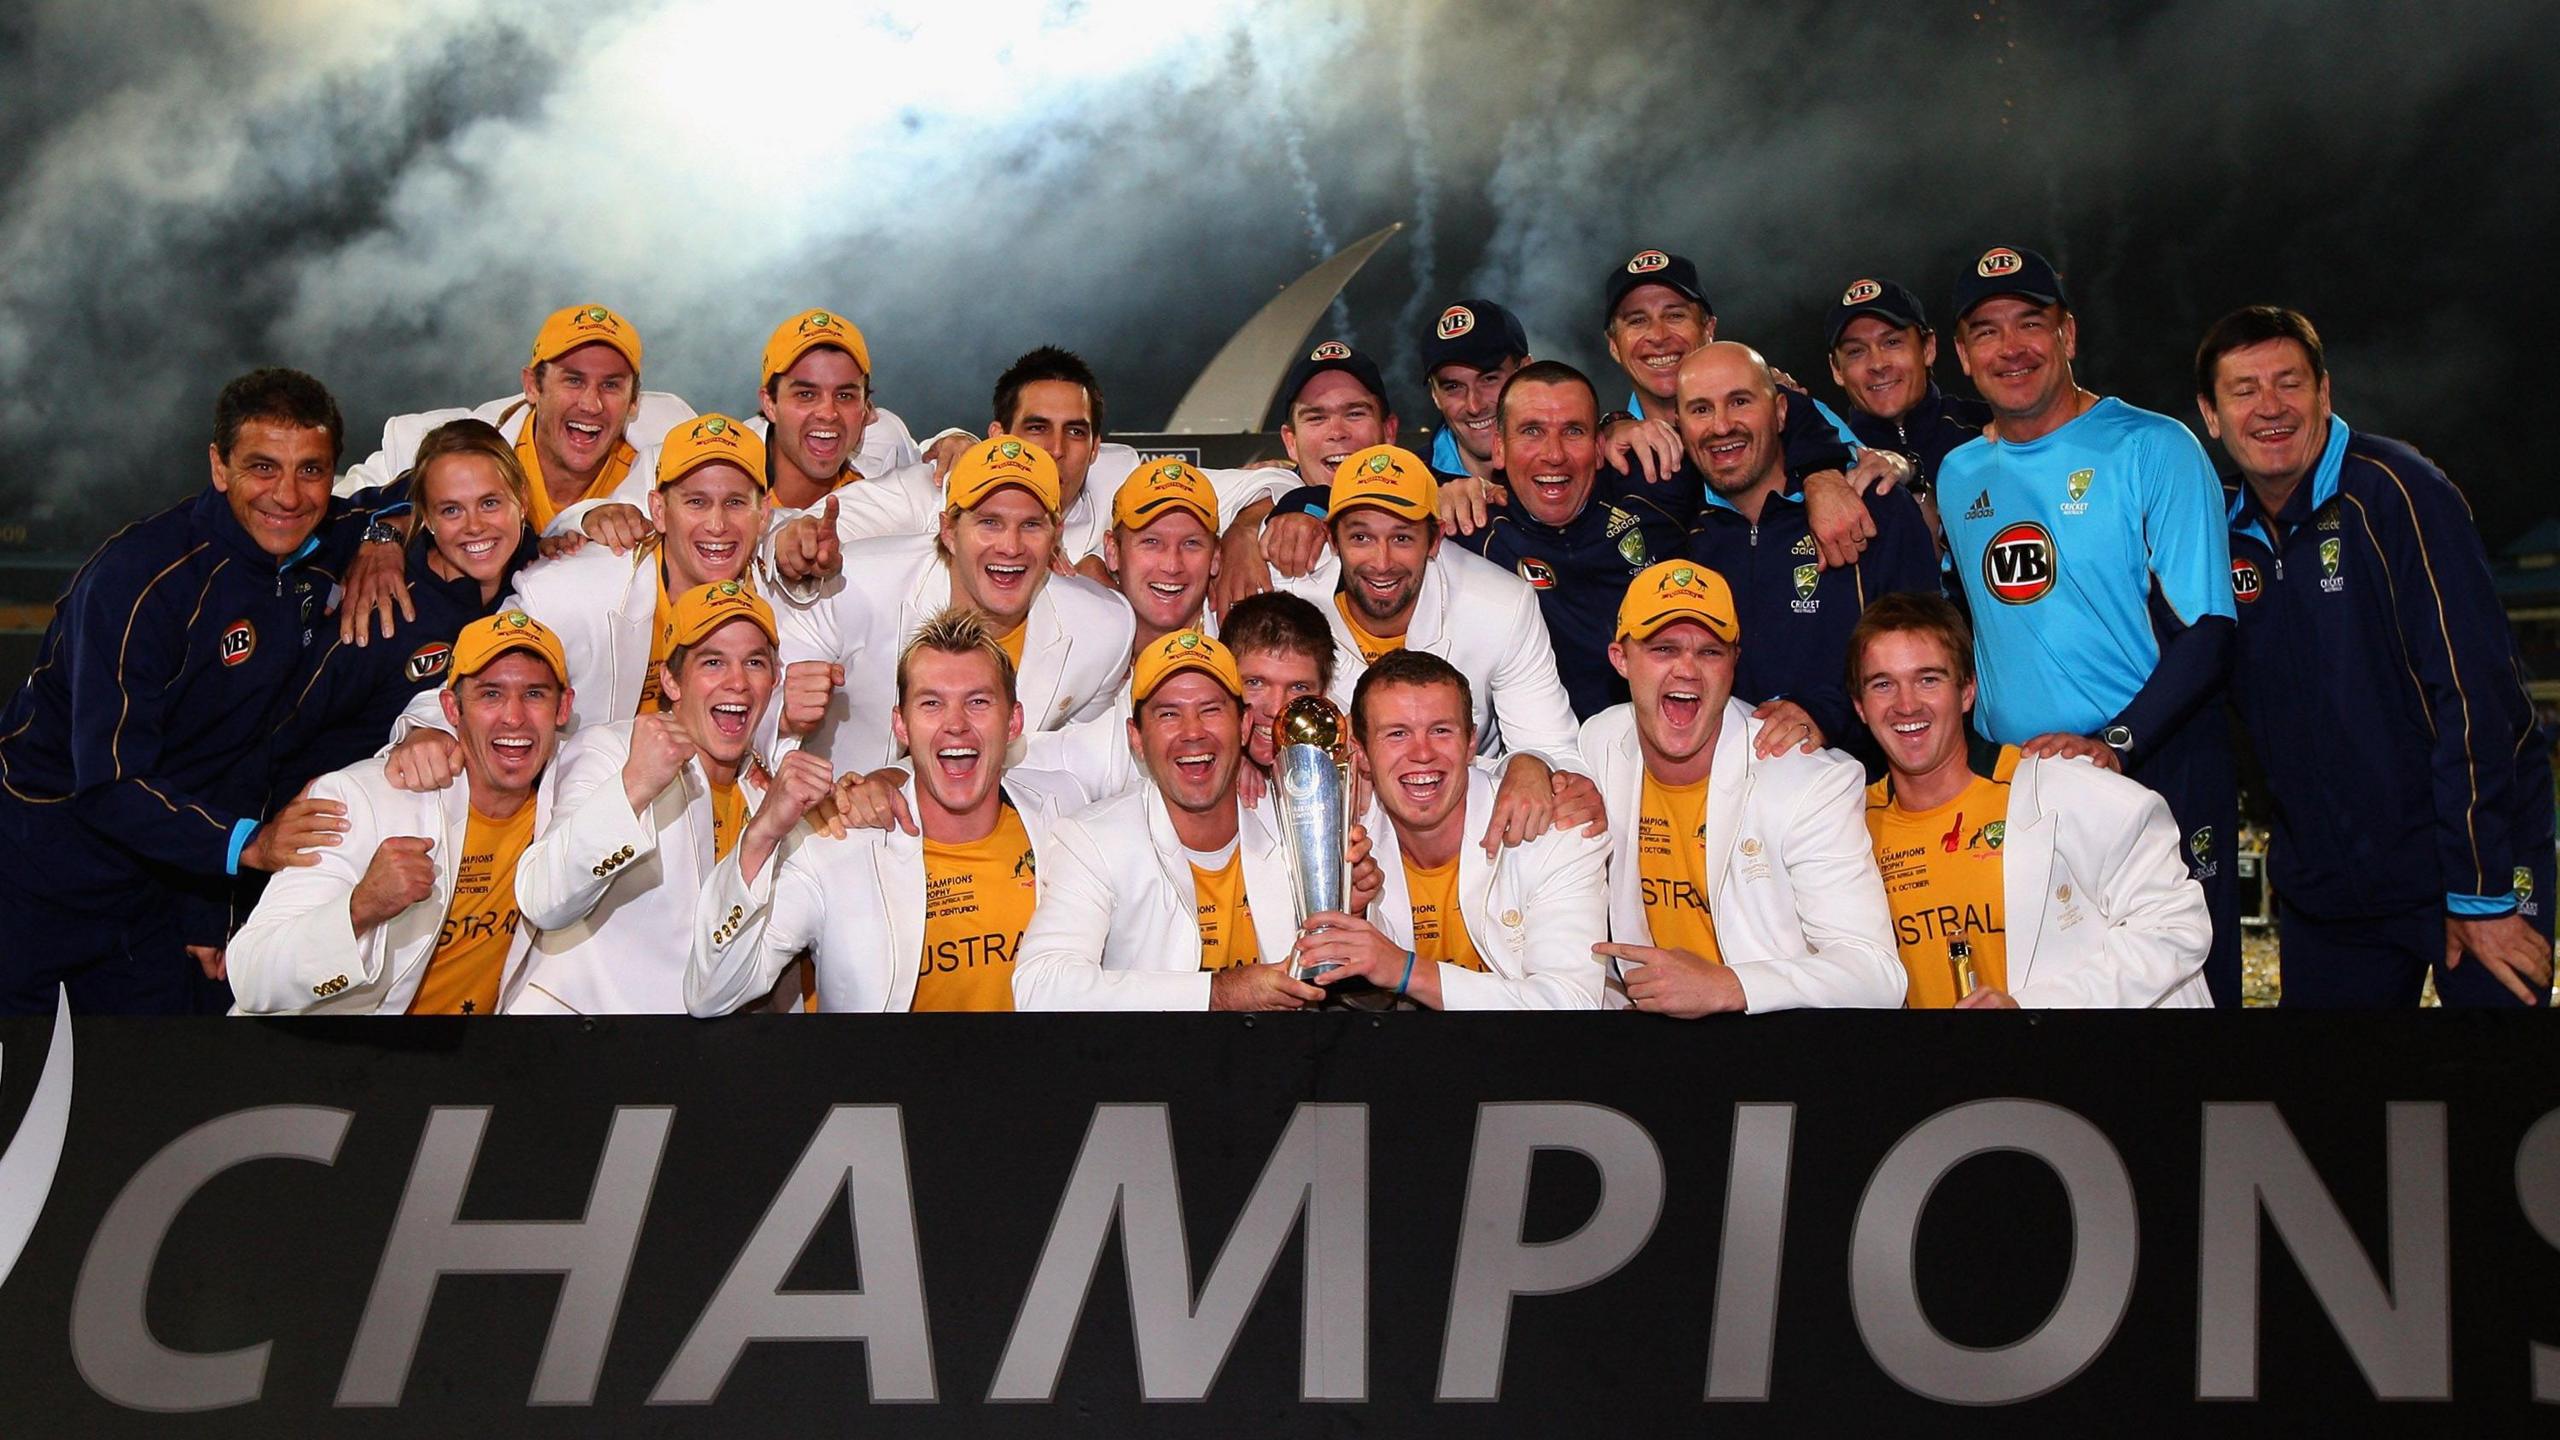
(1942, 873)
(1226, 915)
(1012, 643)
(1373, 648)
(728, 818)
(1439, 928)
(662, 634)
(1671, 861)
(977, 899)
(538, 495)
(480, 922)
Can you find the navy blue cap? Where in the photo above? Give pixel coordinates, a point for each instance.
(1333, 355)
(1475, 333)
(1654, 267)
(1883, 299)
(2003, 271)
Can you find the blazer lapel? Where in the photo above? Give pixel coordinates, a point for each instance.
(1173, 862)
(897, 865)
(2026, 873)
(1728, 792)
(1266, 883)
(1045, 648)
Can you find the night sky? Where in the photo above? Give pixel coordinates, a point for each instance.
(391, 196)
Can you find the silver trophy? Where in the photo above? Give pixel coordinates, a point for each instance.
(1312, 786)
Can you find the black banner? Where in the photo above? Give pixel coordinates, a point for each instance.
(2193, 1222)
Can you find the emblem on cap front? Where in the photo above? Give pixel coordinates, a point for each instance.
(595, 315)
(517, 619)
(716, 425)
(1684, 576)
(818, 320)
(1381, 464)
(1647, 261)
(1169, 473)
(1996, 263)
(1330, 350)
(1861, 293)
(1010, 449)
(726, 589)
(1455, 321)
(1188, 640)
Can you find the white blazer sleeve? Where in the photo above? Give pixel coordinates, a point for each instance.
(1239, 489)
(2158, 925)
(1851, 959)
(745, 933)
(1529, 700)
(302, 934)
(1061, 962)
(1566, 911)
(1094, 753)
(401, 435)
(593, 836)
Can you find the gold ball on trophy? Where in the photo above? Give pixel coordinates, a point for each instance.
(1312, 720)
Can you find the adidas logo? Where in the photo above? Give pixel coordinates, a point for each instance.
(1980, 509)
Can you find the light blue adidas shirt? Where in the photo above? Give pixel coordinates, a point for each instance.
(2058, 543)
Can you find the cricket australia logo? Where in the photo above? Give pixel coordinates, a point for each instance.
(2200, 861)
(1808, 579)
(2524, 892)
(2075, 489)
(1631, 549)
(2331, 582)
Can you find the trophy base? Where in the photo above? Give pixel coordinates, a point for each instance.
(1363, 995)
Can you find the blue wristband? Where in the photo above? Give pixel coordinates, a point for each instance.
(1408, 973)
(240, 833)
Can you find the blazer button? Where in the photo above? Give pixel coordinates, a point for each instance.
(596, 870)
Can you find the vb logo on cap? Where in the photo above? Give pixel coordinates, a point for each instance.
(1998, 262)
(1674, 591)
(991, 465)
(1455, 321)
(1646, 262)
(1330, 350)
(1391, 479)
(1861, 293)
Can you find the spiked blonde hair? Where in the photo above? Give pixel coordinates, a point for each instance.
(956, 630)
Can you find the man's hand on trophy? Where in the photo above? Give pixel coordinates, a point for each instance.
(1366, 879)
(1578, 803)
(1524, 804)
(1260, 987)
(1354, 947)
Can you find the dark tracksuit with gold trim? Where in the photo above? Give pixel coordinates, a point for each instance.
(131, 760)
(2383, 693)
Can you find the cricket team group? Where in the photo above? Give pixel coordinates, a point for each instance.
(1712, 698)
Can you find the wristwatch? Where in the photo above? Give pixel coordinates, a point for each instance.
(2118, 738)
(380, 533)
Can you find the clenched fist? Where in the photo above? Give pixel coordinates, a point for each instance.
(807, 686)
(403, 872)
(659, 748)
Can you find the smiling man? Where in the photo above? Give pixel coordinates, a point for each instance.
(1473, 349)
(644, 809)
(1390, 584)
(1172, 896)
(1573, 529)
(2013, 881)
(1882, 352)
(415, 912)
(2380, 684)
(132, 755)
(1454, 928)
(1756, 531)
(1737, 880)
(2089, 538)
(1068, 637)
(952, 900)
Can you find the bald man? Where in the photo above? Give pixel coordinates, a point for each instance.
(1754, 530)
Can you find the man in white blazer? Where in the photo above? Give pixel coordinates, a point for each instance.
(1390, 584)
(644, 808)
(1069, 637)
(2013, 881)
(898, 921)
(1459, 925)
(414, 910)
(1737, 881)
(1173, 896)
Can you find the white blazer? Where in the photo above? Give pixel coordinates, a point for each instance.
(613, 890)
(299, 952)
(855, 904)
(1075, 652)
(1485, 621)
(657, 413)
(1791, 873)
(2100, 908)
(1534, 912)
(1117, 926)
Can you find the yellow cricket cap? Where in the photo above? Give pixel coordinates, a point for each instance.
(990, 465)
(1676, 590)
(1183, 650)
(708, 440)
(1158, 488)
(706, 608)
(486, 639)
(1389, 477)
(578, 325)
(811, 330)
